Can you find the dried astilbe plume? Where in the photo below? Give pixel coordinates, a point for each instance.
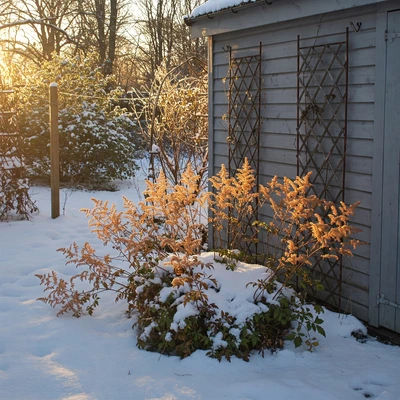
(170, 220)
(299, 229)
(233, 200)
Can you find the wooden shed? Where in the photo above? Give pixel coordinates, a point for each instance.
(315, 85)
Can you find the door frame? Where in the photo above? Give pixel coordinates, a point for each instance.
(378, 153)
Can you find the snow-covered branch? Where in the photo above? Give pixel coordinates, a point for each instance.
(41, 21)
(26, 22)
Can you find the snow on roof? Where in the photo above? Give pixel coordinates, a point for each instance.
(212, 6)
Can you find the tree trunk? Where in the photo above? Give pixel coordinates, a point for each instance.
(100, 7)
(108, 67)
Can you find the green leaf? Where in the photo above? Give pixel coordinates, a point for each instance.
(321, 330)
(291, 336)
(318, 309)
(298, 341)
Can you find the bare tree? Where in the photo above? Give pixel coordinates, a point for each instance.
(186, 46)
(164, 38)
(100, 27)
(173, 121)
(43, 27)
(127, 67)
(133, 49)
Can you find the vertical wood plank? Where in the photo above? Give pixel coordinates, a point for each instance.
(54, 152)
(393, 109)
(390, 280)
(377, 169)
(211, 152)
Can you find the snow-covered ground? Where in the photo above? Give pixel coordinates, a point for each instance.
(44, 357)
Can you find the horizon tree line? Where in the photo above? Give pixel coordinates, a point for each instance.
(130, 39)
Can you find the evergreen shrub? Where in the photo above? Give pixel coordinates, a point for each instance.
(98, 142)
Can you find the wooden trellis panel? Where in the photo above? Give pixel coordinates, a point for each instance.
(244, 128)
(322, 91)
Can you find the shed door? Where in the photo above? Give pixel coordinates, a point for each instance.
(389, 298)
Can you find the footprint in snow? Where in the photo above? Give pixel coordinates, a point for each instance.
(370, 388)
(7, 304)
(41, 351)
(83, 230)
(37, 245)
(4, 366)
(53, 235)
(27, 282)
(11, 290)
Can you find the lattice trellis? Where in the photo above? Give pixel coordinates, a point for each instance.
(322, 92)
(244, 129)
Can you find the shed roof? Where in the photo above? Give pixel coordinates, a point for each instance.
(212, 6)
(222, 16)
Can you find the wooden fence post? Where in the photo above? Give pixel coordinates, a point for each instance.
(54, 152)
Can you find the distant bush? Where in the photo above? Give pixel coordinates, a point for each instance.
(172, 116)
(155, 266)
(15, 200)
(14, 186)
(97, 143)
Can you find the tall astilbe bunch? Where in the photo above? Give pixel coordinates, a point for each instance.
(142, 235)
(296, 235)
(309, 229)
(233, 201)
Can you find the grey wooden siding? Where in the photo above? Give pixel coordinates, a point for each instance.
(278, 143)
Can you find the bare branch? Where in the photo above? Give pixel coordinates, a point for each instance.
(41, 21)
(26, 22)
